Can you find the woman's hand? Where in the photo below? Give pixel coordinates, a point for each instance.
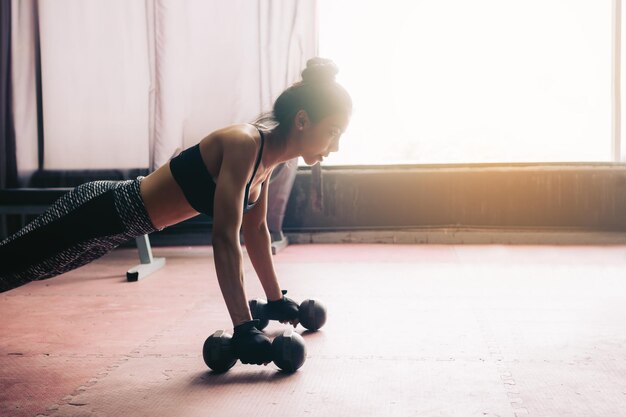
(285, 310)
(250, 345)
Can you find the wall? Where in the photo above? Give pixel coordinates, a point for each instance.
(566, 197)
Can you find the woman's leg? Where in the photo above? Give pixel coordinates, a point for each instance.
(81, 226)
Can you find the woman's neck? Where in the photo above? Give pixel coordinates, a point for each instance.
(278, 148)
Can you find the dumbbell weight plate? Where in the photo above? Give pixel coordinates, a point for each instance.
(256, 309)
(289, 351)
(312, 314)
(218, 353)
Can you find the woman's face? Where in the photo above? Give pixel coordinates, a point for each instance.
(321, 138)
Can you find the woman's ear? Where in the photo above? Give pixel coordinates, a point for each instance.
(301, 119)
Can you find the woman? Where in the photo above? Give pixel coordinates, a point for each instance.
(224, 176)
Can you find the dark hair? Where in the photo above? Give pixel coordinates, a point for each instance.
(318, 94)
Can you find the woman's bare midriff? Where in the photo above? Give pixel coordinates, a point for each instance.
(164, 200)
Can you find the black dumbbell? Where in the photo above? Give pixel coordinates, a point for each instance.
(311, 313)
(288, 351)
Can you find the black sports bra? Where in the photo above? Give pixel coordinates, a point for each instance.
(198, 186)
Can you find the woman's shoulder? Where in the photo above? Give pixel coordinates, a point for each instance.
(238, 135)
(235, 144)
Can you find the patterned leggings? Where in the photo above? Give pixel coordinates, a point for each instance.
(79, 227)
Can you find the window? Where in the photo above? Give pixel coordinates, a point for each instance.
(457, 81)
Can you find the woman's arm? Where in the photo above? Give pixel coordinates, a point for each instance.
(259, 245)
(237, 161)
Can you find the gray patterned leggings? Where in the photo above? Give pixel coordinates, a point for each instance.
(79, 227)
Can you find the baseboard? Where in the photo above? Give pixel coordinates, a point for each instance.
(463, 236)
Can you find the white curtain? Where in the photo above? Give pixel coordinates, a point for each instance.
(128, 84)
(95, 83)
(23, 63)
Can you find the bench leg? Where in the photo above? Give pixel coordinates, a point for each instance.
(148, 264)
(279, 242)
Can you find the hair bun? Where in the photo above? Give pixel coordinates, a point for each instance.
(319, 69)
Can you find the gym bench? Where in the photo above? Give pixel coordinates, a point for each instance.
(24, 201)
